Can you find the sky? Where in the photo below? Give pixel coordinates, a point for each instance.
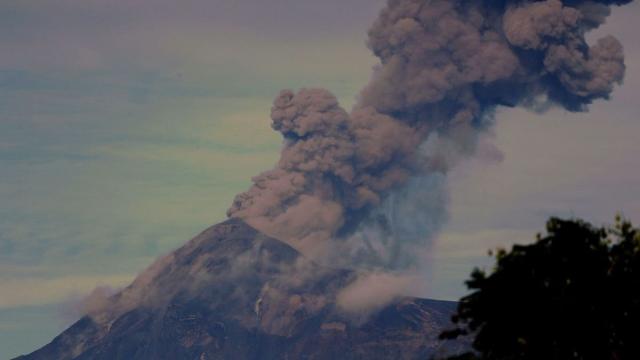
(127, 127)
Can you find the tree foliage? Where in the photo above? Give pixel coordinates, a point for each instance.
(573, 294)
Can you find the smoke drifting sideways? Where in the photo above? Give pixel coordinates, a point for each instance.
(367, 189)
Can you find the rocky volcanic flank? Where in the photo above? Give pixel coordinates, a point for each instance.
(234, 293)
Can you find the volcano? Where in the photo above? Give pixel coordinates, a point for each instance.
(235, 293)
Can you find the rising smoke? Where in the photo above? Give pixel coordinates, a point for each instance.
(367, 188)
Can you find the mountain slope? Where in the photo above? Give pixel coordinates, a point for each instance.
(234, 293)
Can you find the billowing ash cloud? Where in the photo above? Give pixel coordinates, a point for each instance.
(367, 187)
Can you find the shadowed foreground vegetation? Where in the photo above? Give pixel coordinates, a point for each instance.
(573, 294)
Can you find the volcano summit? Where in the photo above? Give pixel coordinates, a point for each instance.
(234, 293)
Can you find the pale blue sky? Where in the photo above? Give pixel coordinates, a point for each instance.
(127, 128)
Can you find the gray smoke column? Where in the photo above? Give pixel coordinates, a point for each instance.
(367, 188)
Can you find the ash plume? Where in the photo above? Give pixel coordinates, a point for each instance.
(367, 188)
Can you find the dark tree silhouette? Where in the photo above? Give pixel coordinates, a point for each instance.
(573, 294)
